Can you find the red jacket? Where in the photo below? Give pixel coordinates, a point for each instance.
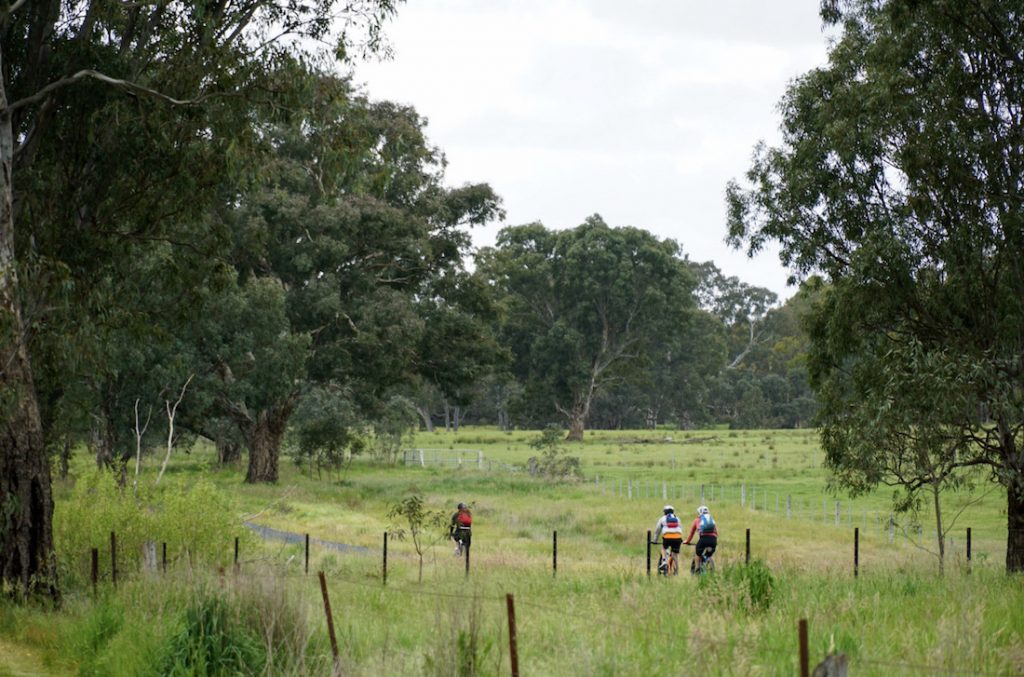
(693, 530)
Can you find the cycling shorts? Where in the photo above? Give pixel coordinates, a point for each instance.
(672, 544)
(463, 536)
(706, 541)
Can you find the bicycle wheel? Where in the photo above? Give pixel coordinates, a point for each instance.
(673, 565)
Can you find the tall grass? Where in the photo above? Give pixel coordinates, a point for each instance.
(601, 614)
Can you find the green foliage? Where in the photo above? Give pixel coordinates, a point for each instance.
(892, 183)
(325, 431)
(212, 642)
(197, 522)
(393, 427)
(581, 309)
(750, 586)
(554, 462)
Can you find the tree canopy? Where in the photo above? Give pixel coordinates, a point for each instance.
(899, 181)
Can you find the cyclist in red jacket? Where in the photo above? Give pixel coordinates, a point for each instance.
(461, 528)
(708, 535)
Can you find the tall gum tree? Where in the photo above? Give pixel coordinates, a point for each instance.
(180, 54)
(899, 180)
(582, 305)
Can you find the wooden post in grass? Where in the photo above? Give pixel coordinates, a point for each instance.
(307, 553)
(95, 569)
(113, 558)
(856, 551)
(236, 554)
(330, 619)
(805, 663)
(968, 550)
(465, 550)
(384, 578)
(648, 553)
(163, 547)
(513, 652)
(748, 547)
(554, 552)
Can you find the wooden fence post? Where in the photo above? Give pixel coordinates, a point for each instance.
(554, 553)
(307, 553)
(465, 549)
(856, 551)
(748, 547)
(805, 667)
(236, 554)
(113, 558)
(648, 553)
(385, 575)
(512, 650)
(95, 569)
(968, 550)
(330, 620)
(163, 557)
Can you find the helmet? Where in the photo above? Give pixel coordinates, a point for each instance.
(668, 509)
(703, 510)
(462, 506)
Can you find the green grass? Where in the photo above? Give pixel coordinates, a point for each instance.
(601, 614)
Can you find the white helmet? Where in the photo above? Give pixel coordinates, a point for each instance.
(703, 510)
(668, 509)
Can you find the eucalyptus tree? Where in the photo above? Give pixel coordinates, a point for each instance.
(898, 180)
(117, 121)
(350, 249)
(581, 308)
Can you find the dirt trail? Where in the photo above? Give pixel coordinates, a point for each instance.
(19, 661)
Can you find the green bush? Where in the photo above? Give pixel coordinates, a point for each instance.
(196, 521)
(211, 642)
(753, 584)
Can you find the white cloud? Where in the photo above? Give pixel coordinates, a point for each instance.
(639, 111)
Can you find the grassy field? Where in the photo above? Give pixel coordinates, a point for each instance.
(599, 615)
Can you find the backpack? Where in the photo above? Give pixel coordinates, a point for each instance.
(707, 524)
(465, 519)
(671, 521)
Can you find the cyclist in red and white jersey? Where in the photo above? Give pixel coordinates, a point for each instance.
(707, 532)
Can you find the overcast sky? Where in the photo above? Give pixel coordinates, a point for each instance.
(639, 111)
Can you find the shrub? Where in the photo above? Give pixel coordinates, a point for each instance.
(754, 582)
(212, 642)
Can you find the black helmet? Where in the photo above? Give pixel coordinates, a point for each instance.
(462, 506)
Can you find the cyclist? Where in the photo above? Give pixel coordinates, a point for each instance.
(460, 530)
(670, 529)
(708, 535)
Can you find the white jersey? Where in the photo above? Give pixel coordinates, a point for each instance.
(668, 524)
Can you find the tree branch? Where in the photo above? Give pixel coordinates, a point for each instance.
(132, 87)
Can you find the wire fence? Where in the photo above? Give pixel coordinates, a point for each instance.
(567, 617)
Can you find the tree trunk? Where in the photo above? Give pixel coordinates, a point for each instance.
(1015, 528)
(428, 422)
(263, 437)
(575, 428)
(229, 452)
(938, 527)
(27, 563)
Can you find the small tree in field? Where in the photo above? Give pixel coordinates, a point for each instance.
(418, 520)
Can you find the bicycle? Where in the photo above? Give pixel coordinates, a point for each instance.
(460, 545)
(667, 566)
(706, 564)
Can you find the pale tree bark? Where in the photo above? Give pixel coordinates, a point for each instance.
(139, 432)
(27, 561)
(171, 412)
